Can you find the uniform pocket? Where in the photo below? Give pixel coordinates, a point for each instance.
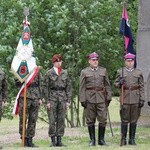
(135, 78)
(64, 77)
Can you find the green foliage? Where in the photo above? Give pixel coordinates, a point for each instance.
(71, 28)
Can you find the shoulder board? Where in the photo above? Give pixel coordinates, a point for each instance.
(102, 68)
(138, 70)
(64, 71)
(85, 69)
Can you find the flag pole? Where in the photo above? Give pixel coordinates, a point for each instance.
(24, 114)
(124, 49)
(26, 13)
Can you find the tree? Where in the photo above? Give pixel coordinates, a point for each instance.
(71, 28)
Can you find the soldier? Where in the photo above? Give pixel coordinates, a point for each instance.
(3, 89)
(133, 97)
(33, 102)
(95, 96)
(58, 95)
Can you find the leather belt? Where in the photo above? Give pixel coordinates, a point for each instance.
(131, 88)
(95, 88)
(34, 85)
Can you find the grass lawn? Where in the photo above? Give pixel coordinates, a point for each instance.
(75, 138)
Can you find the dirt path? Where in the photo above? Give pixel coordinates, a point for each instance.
(9, 132)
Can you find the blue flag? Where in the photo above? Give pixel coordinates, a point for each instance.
(125, 31)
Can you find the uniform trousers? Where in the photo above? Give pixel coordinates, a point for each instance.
(95, 111)
(130, 113)
(56, 115)
(32, 107)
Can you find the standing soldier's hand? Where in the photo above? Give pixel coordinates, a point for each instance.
(67, 105)
(48, 106)
(108, 102)
(3, 104)
(141, 103)
(40, 102)
(84, 104)
(122, 81)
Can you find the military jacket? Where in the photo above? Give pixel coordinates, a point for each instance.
(34, 89)
(3, 86)
(57, 87)
(94, 79)
(133, 78)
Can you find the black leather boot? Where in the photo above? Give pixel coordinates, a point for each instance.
(101, 134)
(53, 144)
(124, 128)
(132, 134)
(30, 142)
(26, 142)
(59, 142)
(92, 135)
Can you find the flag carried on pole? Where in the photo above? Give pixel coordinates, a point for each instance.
(125, 31)
(23, 62)
(29, 81)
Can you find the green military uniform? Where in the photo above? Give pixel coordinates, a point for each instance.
(33, 95)
(133, 95)
(3, 89)
(3, 93)
(95, 91)
(58, 93)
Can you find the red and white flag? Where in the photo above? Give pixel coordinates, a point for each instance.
(29, 81)
(24, 64)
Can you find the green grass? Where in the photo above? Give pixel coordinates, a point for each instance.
(78, 138)
(81, 143)
(114, 110)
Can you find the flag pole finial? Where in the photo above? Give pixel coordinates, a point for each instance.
(26, 13)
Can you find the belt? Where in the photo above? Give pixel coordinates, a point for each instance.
(34, 85)
(131, 88)
(95, 88)
(58, 88)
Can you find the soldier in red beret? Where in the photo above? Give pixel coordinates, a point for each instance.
(56, 58)
(57, 91)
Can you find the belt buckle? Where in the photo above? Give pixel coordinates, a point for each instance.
(130, 87)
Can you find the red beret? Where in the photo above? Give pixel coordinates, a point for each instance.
(56, 58)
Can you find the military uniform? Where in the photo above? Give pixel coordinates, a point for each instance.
(133, 100)
(92, 90)
(33, 95)
(3, 89)
(95, 96)
(3, 93)
(58, 92)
